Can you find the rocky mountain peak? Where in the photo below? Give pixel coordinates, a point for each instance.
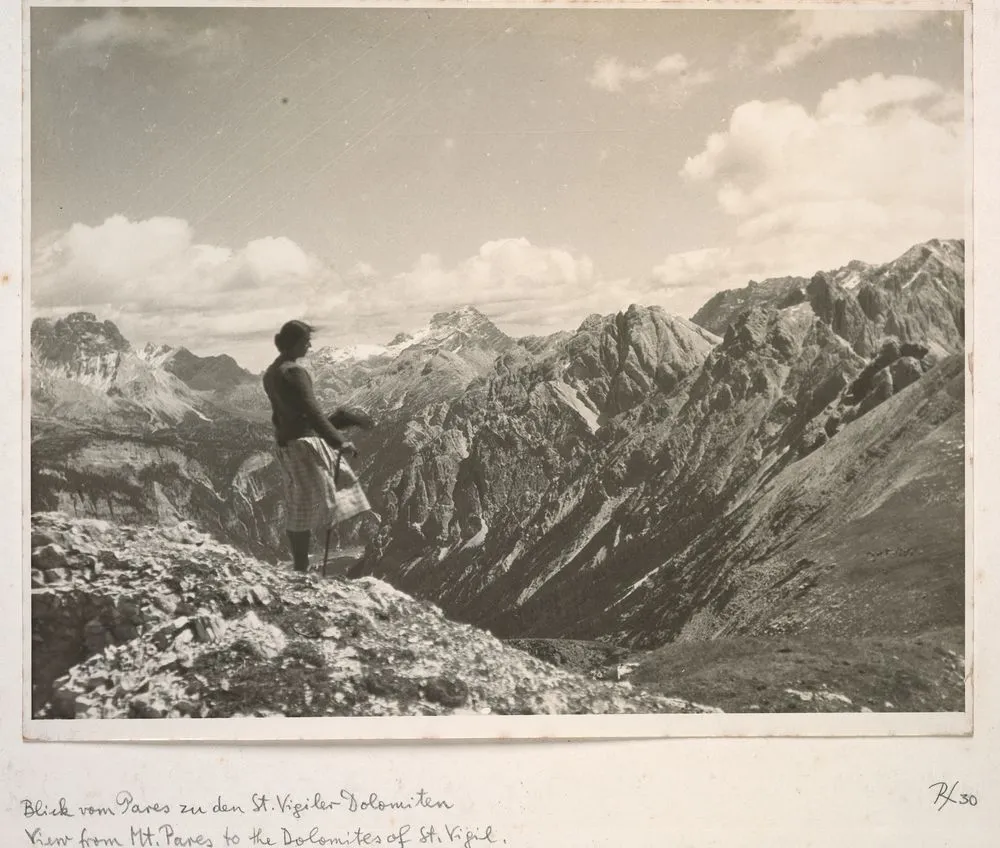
(454, 329)
(931, 260)
(429, 365)
(206, 373)
(725, 306)
(591, 322)
(917, 297)
(151, 351)
(946, 250)
(84, 369)
(616, 360)
(748, 331)
(448, 331)
(79, 335)
(463, 317)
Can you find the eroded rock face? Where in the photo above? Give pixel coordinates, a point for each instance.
(616, 361)
(895, 367)
(221, 475)
(152, 622)
(84, 370)
(505, 448)
(593, 479)
(920, 296)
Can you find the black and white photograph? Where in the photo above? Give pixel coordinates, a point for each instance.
(401, 361)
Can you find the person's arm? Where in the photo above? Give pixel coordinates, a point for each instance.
(298, 378)
(348, 417)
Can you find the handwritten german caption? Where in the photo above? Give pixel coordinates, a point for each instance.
(346, 817)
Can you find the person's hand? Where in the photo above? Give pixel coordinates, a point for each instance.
(344, 418)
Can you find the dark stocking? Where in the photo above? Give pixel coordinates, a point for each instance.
(299, 540)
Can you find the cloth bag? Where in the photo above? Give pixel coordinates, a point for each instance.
(351, 499)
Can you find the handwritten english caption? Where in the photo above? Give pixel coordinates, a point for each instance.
(345, 818)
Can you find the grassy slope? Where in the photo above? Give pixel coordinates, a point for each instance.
(876, 612)
(881, 673)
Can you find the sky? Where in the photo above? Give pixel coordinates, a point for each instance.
(201, 175)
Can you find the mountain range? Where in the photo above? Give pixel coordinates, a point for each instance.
(786, 465)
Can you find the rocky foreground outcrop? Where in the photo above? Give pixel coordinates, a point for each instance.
(153, 622)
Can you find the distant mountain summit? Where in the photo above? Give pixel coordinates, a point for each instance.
(431, 364)
(465, 323)
(451, 331)
(83, 369)
(905, 298)
(219, 373)
(79, 339)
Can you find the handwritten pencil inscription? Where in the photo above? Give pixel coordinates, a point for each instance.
(947, 794)
(345, 817)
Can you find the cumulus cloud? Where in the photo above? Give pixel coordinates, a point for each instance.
(163, 286)
(670, 79)
(806, 32)
(857, 99)
(523, 286)
(94, 40)
(362, 270)
(876, 167)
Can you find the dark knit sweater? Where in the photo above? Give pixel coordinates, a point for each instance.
(295, 412)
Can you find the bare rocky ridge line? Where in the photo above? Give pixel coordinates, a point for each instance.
(589, 528)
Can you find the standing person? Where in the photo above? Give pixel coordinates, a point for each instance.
(309, 447)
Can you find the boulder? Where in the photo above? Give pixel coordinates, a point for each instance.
(904, 371)
(48, 557)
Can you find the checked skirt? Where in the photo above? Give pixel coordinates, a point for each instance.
(317, 495)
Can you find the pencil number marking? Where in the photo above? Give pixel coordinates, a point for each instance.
(947, 794)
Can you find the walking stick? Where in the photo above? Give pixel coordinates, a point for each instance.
(336, 479)
(326, 550)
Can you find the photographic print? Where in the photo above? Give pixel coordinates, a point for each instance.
(495, 362)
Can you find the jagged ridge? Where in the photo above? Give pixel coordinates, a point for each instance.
(517, 510)
(84, 370)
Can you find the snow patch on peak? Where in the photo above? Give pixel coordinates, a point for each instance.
(352, 353)
(156, 355)
(852, 279)
(460, 317)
